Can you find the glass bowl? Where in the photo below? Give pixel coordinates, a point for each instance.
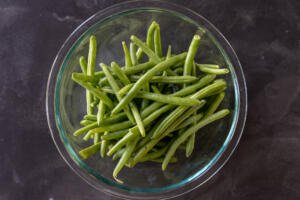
(65, 100)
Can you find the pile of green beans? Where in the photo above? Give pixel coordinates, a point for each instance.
(143, 112)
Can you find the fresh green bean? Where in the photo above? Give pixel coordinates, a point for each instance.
(183, 101)
(209, 66)
(139, 54)
(90, 117)
(104, 147)
(168, 79)
(101, 112)
(157, 41)
(150, 35)
(125, 156)
(188, 64)
(87, 152)
(85, 122)
(91, 70)
(189, 121)
(88, 136)
(152, 56)
(134, 131)
(128, 62)
(179, 70)
(96, 138)
(123, 91)
(145, 102)
(132, 106)
(216, 116)
(118, 154)
(211, 70)
(132, 50)
(108, 90)
(83, 64)
(155, 89)
(215, 104)
(190, 145)
(98, 93)
(84, 77)
(116, 88)
(120, 73)
(145, 78)
(85, 129)
(169, 52)
(146, 147)
(114, 135)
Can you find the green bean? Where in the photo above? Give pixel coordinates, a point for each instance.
(215, 104)
(116, 88)
(210, 89)
(189, 121)
(146, 147)
(132, 51)
(87, 152)
(138, 119)
(85, 122)
(91, 63)
(157, 42)
(128, 62)
(211, 70)
(114, 135)
(188, 64)
(134, 131)
(114, 119)
(155, 89)
(168, 79)
(169, 52)
(84, 77)
(98, 93)
(104, 146)
(169, 119)
(179, 70)
(128, 137)
(125, 89)
(85, 129)
(101, 112)
(145, 78)
(209, 66)
(152, 56)
(95, 102)
(107, 90)
(216, 116)
(120, 73)
(190, 145)
(183, 101)
(90, 117)
(83, 64)
(150, 35)
(145, 102)
(155, 155)
(118, 154)
(113, 127)
(139, 54)
(147, 111)
(96, 138)
(125, 156)
(91, 70)
(88, 136)
(132, 106)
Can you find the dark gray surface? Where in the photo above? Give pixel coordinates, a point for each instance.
(266, 37)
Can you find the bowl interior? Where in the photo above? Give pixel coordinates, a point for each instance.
(176, 30)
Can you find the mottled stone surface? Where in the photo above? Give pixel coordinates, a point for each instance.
(266, 37)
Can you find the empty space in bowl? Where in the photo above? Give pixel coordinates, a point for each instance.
(70, 106)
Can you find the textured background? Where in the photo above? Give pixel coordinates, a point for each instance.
(266, 37)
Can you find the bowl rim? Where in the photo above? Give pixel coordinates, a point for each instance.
(195, 182)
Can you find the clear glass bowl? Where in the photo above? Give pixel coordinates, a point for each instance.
(65, 101)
